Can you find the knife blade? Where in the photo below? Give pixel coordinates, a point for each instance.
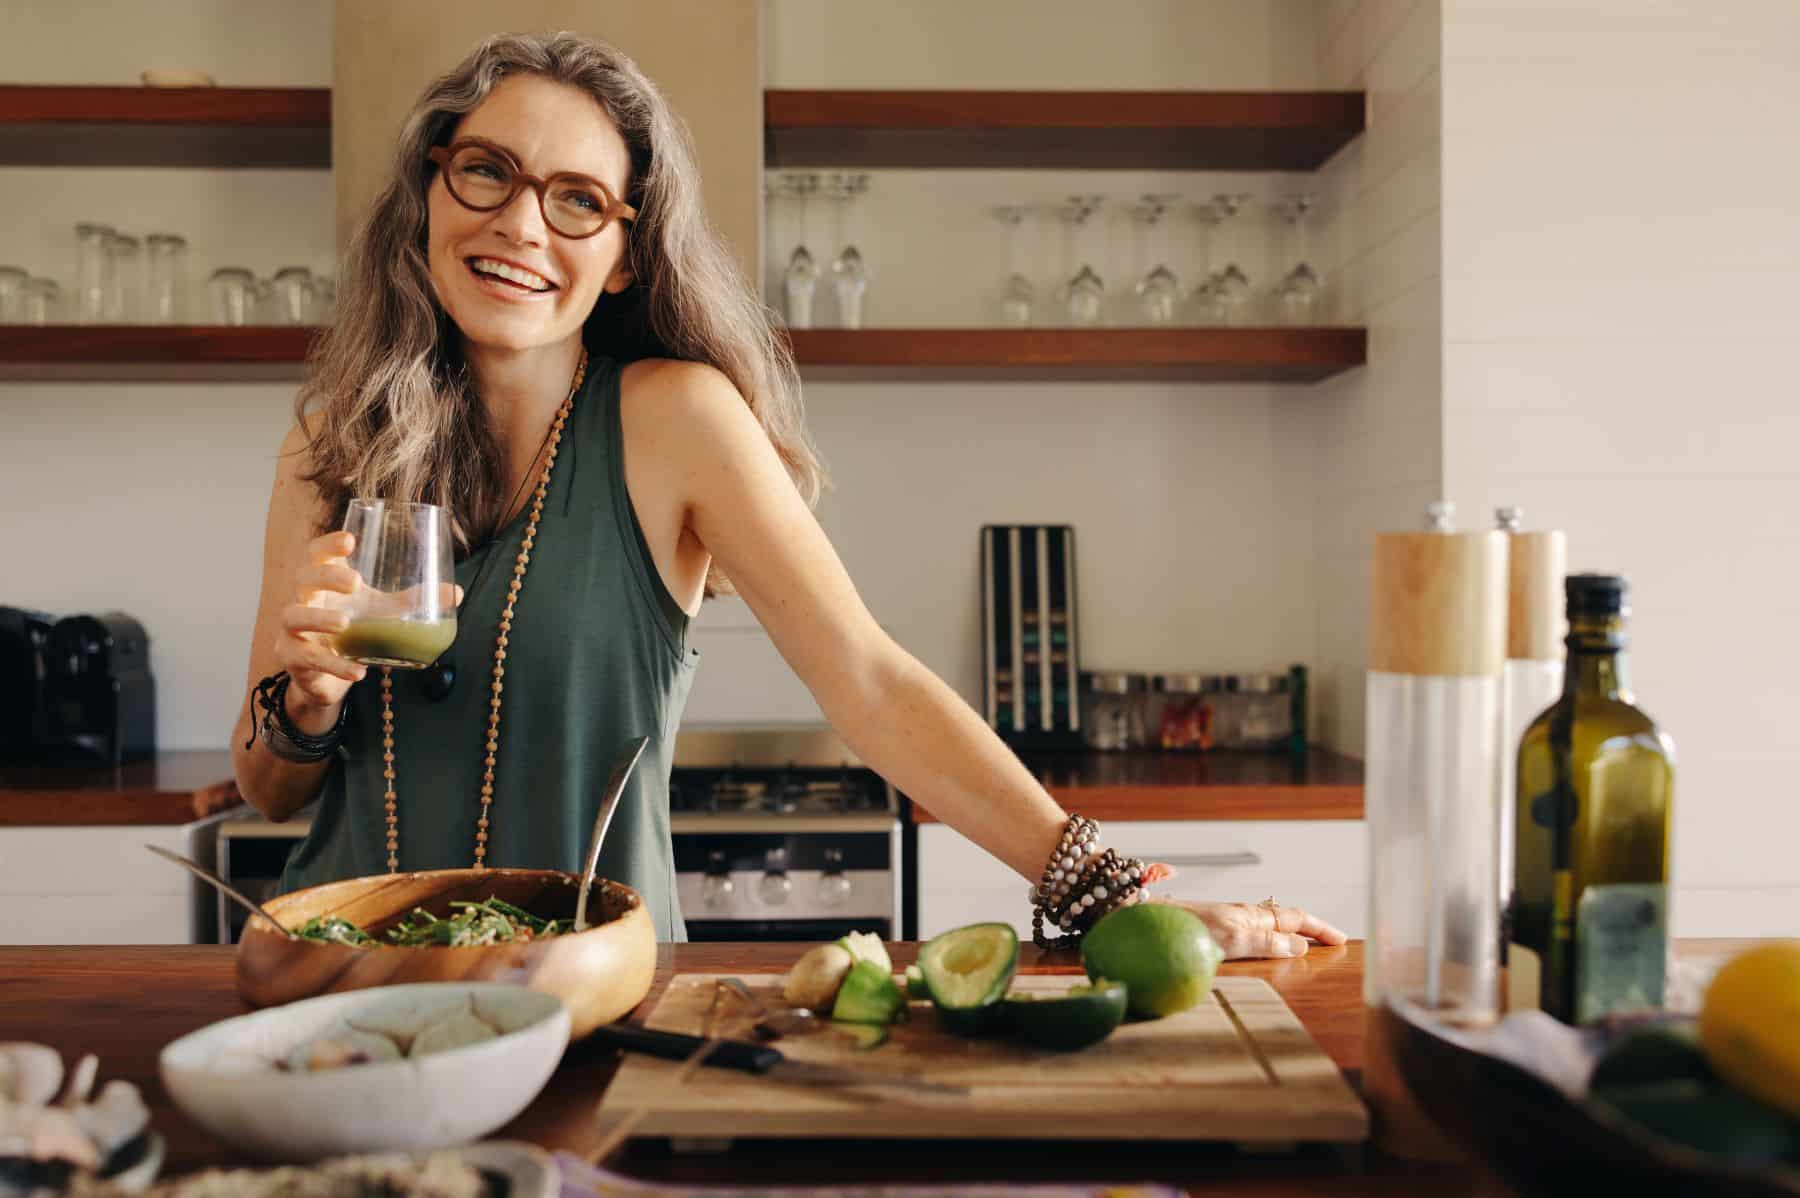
(759, 1059)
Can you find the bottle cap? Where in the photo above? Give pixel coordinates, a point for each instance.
(1595, 594)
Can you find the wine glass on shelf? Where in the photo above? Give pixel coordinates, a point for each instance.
(1298, 294)
(1084, 294)
(1158, 289)
(1204, 300)
(800, 279)
(849, 276)
(1233, 283)
(1017, 295)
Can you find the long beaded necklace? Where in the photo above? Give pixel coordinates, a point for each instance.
(499, 672)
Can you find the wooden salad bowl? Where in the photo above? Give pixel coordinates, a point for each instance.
(600, 974)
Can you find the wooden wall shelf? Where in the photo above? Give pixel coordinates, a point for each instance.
(173, 127)
(1200, 786)
(151, 353)
(1274, 355)
(1108, 130)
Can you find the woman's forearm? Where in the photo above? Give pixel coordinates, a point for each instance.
(274, 787)
(911, 728)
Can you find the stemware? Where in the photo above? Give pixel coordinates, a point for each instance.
(801, 278)
(1232, 281)
(1017, 295)
(849, 275)
(1084, 293)
(1158, 288)
(1298, 293)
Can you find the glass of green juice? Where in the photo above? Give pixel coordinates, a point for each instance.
(403, 613)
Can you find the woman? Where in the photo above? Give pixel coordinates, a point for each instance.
(538, 331)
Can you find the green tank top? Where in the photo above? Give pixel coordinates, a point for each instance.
(597, 655)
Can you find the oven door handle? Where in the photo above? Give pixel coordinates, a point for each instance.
(1211, 860)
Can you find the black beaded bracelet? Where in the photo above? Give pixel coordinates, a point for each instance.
(286, 739)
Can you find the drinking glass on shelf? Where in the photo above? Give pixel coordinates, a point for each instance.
(1158, 290)
(93, 271)
(1204, 300)
(1297, 295)
(403, 611)
(1232, 282)
(1084, 292)
(800, 279)
(166, 295)
(291, 296)
(1017, 295)
(42, 301)
(233, 291)
(849, 276)
(324, 309)
(12, 294)
(125, 294)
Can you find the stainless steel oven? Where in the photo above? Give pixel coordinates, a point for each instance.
(781, 833)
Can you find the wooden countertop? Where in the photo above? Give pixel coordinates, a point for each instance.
(125, 1004)
(1199, 786)
(163, 790)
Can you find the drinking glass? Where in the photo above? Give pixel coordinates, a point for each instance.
(292, 291)
(1297, 295)
(324, 300)
(1232, 281)
(93, 271)
(125, 287)
(1084, 294)
(233, 291)
(403, 612)
(43, 298)
(167, 293)
(849, 276)
(1204, 298)
(1018, 295)
(12, 294)
(801, 279)
(1158, 290)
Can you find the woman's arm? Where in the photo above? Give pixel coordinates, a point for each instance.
(275, 787)
(899, 717)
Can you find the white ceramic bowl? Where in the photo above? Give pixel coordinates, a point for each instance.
(226, 1079)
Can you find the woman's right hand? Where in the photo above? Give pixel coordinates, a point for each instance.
(319, 677)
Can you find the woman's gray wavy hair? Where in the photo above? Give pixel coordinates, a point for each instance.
(388, 402)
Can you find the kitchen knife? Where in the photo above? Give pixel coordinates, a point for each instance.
(759, 1059)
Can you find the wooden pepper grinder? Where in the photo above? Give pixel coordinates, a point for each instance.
(1437, 645)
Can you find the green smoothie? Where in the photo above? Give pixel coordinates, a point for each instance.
(404, 644)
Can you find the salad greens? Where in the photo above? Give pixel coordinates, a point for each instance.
(474, 924)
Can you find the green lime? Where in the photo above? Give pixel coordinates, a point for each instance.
(1163, 954)
(1076, 1018)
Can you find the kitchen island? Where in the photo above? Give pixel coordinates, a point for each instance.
(124, 1004)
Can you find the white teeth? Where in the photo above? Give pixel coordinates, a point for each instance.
(511, 274)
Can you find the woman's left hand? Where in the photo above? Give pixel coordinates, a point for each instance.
(1261, 930)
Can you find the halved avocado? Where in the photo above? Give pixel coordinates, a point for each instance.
(1071, 1020)
(967, 971)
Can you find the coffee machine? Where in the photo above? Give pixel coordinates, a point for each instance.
(100, 699)
(24, 648)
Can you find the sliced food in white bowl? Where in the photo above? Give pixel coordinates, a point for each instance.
(394, 1068)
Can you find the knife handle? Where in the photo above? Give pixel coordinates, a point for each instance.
(730, 1054)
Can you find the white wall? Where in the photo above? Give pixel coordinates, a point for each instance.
(1375, 433)
(1621, 262)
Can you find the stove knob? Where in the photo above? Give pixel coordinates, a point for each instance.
(834, 887)
(716, 888)
(774, 887)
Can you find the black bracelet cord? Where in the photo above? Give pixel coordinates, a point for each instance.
(271, 696)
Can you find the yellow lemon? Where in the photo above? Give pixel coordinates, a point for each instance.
(1750, 1023)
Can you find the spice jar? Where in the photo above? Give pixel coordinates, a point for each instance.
(1112, 710)
(1265, 714)
(1181, 715)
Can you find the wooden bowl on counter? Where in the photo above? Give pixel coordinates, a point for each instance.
(600, 974)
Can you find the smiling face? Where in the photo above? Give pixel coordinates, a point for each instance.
(509, 281)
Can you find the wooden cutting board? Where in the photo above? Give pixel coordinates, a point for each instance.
(1239, 1067)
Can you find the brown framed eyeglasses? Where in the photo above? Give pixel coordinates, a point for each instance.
(484, 177)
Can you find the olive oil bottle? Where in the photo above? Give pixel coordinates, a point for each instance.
(1588, 918)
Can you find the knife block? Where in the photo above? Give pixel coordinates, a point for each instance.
(1030, 673)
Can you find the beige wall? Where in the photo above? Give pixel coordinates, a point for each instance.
(701, 53)
(1621, 263)
(1375, 433)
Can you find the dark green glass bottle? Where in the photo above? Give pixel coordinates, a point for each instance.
(1589, 915)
